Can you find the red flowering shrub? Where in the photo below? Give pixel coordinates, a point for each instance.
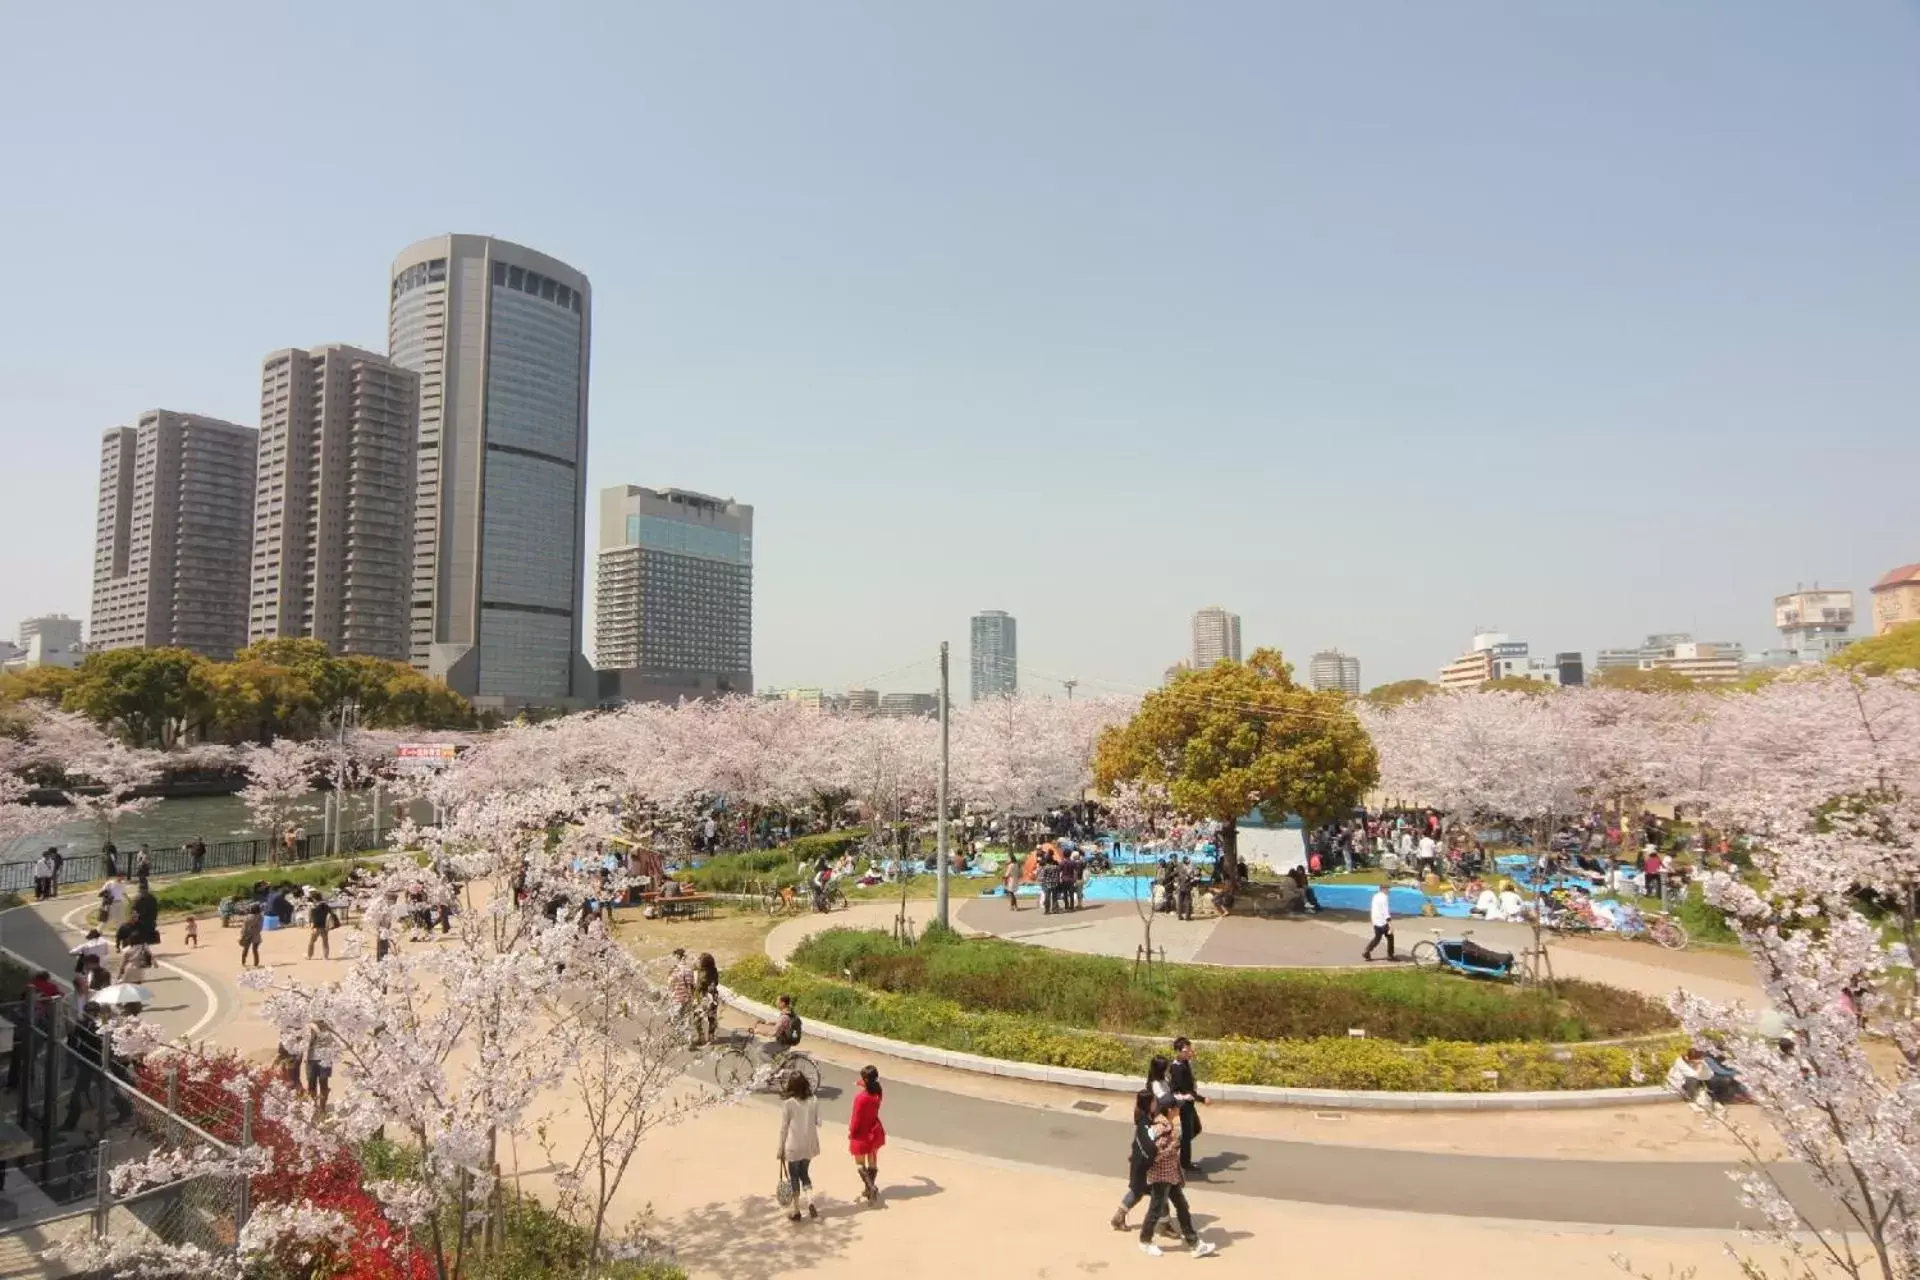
(211, 1093)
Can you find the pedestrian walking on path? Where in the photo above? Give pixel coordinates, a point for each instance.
(1140, 1153)
(250, 930)
(320, 917)
(800, 1143)
(866, 1135)
(1186, 1092)
(1381, 913)
(1011, 874)
(1166, 1186)
(706, 995)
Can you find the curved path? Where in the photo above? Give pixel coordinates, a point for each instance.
(199, 995)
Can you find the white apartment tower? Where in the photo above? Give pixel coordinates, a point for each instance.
(333, 504)
(1216, 637)
(1332, 669)
(172, 534)
(500, 336)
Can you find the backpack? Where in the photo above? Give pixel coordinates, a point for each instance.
(793, 1030)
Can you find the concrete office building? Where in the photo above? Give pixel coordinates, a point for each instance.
(333, 504)
(861, 701)
(1332, 669)
(1573, 669)
(1495, 656)
(673, 596)
(1814, 623)
(172, 534)
(499, 335)
(996, 654)
(908, 705)
(1216, 637)
(49, 641)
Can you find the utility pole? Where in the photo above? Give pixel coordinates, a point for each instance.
(1071, 685)
(940, 826)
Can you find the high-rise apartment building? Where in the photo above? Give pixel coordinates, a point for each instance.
(499, 335)
(1216, 637)
(172, 534)
(673, 595)
(996, 654)
(1332, 669)
(333, 503)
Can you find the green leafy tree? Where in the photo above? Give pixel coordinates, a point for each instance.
(37, 684)
(1645, 680)
(1897, 650)
(1238, 737)
(1392, 695)
(250, 699)
(152, 696)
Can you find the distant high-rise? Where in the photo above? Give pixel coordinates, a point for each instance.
(333, 504)
(996, 654)
(1332, 669)
(499, 335)
(908, 705)
(1216, 637)
(673, 595)
(172, 534)
(861, 701)
(49, 641)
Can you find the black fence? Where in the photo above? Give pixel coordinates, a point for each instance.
(85, 868)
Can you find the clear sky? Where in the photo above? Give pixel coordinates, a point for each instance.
(1375, 322)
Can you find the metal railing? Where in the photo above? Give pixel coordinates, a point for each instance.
(85, 1116)
(85, 868)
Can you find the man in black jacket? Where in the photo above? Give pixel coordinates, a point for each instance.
(85, 1042)
(1186, 1091)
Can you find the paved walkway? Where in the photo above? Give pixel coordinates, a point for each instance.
(1335, 939)
(1087, 1137)
(188, 999)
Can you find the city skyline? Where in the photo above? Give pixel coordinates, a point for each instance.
(1602, 337)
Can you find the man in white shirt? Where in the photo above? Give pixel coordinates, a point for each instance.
(1428, 855)
(1382, 915)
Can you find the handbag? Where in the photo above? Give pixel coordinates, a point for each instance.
(782, 1184)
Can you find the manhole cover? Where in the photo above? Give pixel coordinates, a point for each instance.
(1089, 1106)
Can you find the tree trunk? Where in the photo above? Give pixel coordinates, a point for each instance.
(1230, 854)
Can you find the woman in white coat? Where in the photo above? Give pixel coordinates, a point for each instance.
(800, 1143)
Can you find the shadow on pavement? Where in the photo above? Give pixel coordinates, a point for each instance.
(919, 1189)
(751, 1238)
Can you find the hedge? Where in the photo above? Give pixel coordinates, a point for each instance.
(203, 893)
(759, 868)
(1325, 1062)
(1098, 993)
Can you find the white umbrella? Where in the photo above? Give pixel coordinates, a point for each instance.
(121, 993)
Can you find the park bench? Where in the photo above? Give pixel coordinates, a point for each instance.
(683, 904)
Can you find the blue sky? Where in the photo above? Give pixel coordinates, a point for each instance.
(1375, 322)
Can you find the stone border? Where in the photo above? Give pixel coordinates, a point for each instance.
(1268, 1095)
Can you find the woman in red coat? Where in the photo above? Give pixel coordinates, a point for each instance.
(866, 1135)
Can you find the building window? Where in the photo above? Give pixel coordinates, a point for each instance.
(515, 276)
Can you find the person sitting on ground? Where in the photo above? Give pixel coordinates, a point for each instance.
(1486, 905)
(1511, 907)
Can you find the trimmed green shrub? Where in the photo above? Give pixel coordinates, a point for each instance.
(202, 894)
(1099, 993)
(1325, 1062)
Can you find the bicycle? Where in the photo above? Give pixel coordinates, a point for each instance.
(743, 1067)
(1665, 930)
(781, 900)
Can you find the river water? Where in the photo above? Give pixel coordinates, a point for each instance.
(174, 822)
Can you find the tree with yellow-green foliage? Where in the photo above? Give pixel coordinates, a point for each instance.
(1897, 650)
(152, 696)
(1392, 695)
(1237, 737)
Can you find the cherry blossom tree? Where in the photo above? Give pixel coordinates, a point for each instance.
(1821, 773)
(279, 777)
(103, 775)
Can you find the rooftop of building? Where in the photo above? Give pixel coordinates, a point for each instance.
(1905, 574)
